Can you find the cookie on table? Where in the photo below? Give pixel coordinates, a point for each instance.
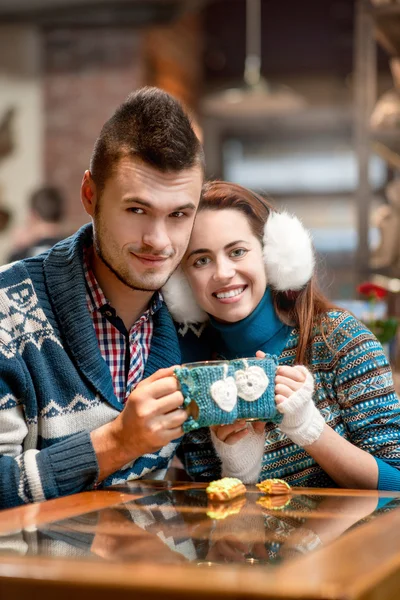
(225, 489)
(274, 487)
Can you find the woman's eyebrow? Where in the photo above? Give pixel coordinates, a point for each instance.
(198, 251)
(205, 250)
(234, 244)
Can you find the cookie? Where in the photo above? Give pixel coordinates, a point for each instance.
(225, 489)
(274, 487)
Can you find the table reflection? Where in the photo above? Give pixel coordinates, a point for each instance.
(163, 523)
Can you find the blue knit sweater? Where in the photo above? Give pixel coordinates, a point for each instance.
(55, 387)
(353, 391)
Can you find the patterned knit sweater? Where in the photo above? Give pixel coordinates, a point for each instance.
(55, 386)
(353, 391)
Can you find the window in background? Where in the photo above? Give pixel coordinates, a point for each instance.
(314, 177)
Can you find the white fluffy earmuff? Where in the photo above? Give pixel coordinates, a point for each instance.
(289, 264)
(288, 252)
(180, 300)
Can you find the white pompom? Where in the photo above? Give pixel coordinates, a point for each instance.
(180, 300)
(288, 252)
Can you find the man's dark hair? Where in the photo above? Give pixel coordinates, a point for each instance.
(48, 204)
(150, 125)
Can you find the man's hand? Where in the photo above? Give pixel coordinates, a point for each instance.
(151, 418)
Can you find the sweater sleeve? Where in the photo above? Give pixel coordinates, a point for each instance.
(368, 403)
(388, 476)
(28, 474)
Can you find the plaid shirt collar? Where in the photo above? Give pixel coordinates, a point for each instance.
(96, 300)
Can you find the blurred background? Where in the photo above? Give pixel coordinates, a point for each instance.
(296, 100)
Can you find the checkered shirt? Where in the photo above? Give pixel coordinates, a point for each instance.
(125, 352)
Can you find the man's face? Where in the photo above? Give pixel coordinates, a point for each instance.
(143, 220)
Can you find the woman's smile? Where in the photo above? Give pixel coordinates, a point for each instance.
(231, 294)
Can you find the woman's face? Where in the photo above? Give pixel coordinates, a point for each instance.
(224, 265)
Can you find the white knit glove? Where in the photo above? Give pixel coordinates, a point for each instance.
(243, 459)
(302, 422)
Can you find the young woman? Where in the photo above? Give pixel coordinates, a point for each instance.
(251, 283)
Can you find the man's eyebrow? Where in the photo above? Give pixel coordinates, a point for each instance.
(205, 250)
(136, 200)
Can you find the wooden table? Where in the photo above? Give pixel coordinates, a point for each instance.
(157, 540)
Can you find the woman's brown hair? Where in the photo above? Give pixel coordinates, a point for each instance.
(304, 309)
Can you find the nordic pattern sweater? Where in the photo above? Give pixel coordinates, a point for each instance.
(55, 386)
(353, 391)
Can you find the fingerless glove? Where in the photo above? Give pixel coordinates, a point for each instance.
(302, 422)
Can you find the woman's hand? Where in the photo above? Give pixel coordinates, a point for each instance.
(240, 448)
(231, 434)
(288, 380)
(294, 386)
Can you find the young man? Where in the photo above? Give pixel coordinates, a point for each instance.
(87, 394)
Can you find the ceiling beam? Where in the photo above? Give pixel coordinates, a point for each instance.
(94, 13)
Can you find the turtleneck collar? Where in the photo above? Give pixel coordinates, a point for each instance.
(261, 330)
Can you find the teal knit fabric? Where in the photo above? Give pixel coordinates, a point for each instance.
(55, 387)
(353, 391)
(263, 408)
(226, 392)
(260, 329)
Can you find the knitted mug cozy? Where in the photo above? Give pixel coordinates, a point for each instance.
(224, 391)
